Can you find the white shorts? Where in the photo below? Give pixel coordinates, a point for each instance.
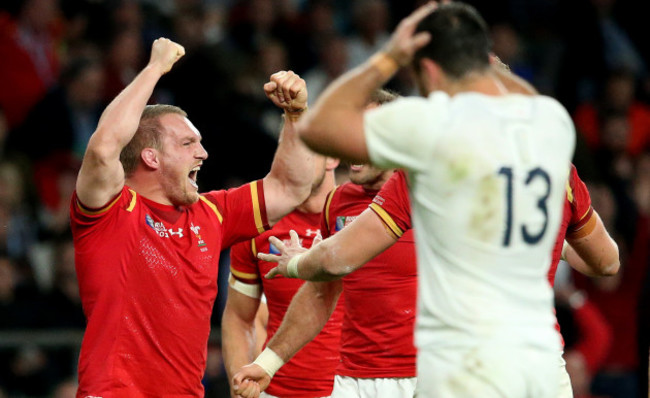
(265, 395)
(565, 390)
(352, 387)
(487, 372)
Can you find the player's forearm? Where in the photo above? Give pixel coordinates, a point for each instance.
(324, 262)
(334, 125)
(120, 119)
(309, 311)
(291, 174)
(238, 342)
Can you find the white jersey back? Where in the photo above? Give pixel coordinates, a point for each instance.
(487, 188)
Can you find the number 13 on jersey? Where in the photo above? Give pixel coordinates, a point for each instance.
(529, 235)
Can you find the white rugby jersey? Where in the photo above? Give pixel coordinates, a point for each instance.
(487, 184)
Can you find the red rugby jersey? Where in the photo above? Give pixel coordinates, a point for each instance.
(577, 213)
(380, 297)
(310, 373)
(148, 279)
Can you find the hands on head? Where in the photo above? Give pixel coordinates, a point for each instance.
(404, 42)
(287, 91)
(287, 252)
(250, 381)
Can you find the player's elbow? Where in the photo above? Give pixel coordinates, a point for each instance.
(611, 263)
(610, 268)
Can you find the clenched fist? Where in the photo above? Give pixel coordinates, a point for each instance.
(287, 91)
(164, 54)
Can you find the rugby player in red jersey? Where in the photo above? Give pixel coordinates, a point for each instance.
(589, 249)
(147, 243)
(302, 376)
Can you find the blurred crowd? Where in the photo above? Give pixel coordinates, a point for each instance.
(62, 61)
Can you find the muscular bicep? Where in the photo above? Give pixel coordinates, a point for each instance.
(596, 253)
(241, 306)
(101, 176)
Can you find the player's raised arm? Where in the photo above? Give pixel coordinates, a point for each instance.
(336, 256)
(334, 126)
(309, 311)
(101, 176)
(591, 251)
(289, 182)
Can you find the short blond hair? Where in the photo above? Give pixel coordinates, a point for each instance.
(148, 135)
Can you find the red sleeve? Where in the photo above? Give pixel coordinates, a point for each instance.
(242, 211)
(325, 216)
(392, 204)
(579, 202)
(82, 216)
(595, 336)
(243, 262)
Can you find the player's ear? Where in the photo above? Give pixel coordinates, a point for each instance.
(431, 75)
(150, 158)
(331, 163)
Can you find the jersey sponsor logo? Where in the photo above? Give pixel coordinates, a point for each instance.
(379, 200)
(344, 221)
(310, 232)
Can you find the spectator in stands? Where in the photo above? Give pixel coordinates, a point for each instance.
(332, 61)
(30, 64)
(617, 298)
(618, 96)
(371, 30)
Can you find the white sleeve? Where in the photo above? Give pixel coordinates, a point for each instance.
(399, 134)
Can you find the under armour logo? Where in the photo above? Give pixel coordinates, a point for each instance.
(179, 233)
(310, 232)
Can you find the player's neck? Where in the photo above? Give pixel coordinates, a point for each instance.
(379, 182)
(316, 201)
(482, 82)
(148, 187)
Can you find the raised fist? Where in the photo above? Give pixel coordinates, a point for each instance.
(287, 91)
(164, 53)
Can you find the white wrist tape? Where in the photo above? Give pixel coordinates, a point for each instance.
(269, 361)
(565, 246)
(292, 267)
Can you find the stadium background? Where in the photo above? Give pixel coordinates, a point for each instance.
(62, 61)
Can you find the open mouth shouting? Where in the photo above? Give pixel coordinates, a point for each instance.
(192, 176)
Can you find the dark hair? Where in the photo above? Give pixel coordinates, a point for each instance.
(460, 42)
(382, 96)
(147, 136)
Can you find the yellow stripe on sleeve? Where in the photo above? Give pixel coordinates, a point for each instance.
(254, 248)
(96, 212)
(243, 275)
(387, 219)
(133, 200)
(213, 207)
(257, 214)
(569, 192)
(327, 208)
